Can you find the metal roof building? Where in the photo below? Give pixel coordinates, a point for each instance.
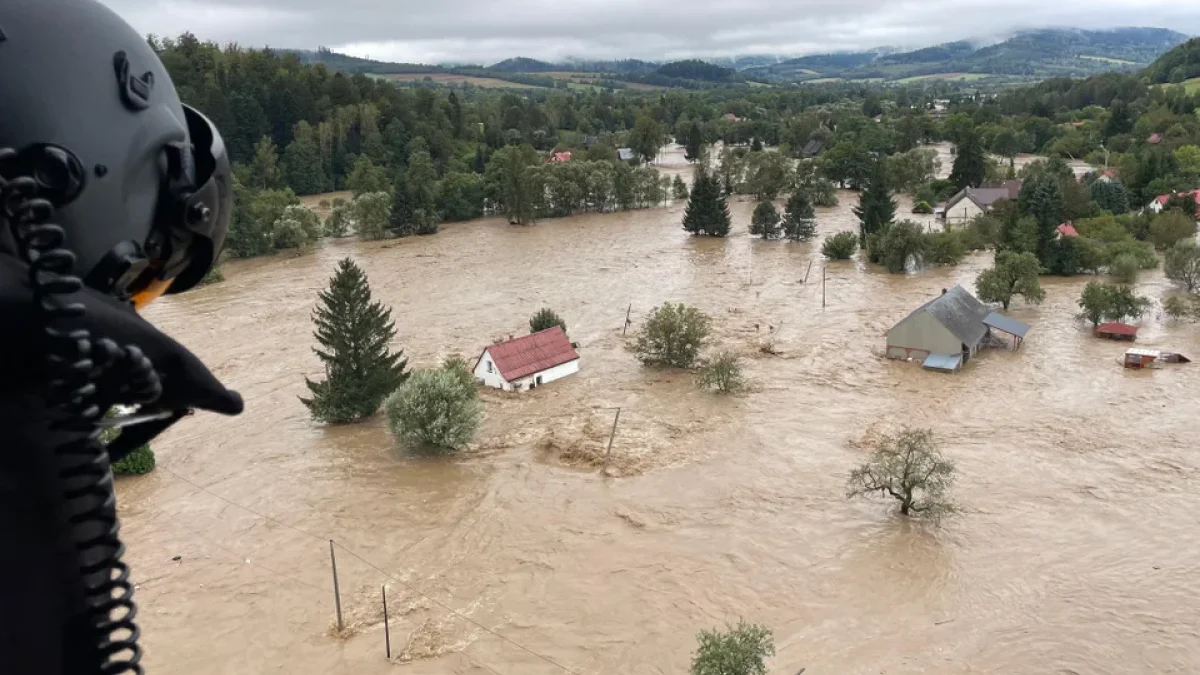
(950, 324)
(1008, 325)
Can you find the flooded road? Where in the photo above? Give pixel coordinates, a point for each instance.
(1075, 552)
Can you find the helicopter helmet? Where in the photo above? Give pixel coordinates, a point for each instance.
(140, 183)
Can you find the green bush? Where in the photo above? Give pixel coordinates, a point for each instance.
(922, 207)
(546, 318)
(338, 222)
(673, 336)
(1142, 253)
(945, 248)
(1169, 227)
(1124, 268)
(840, 246)
(136, 463)
(898, 243)
(371, 214)
(212, 276)
(435, 409)
(297, 227)
(738, 650)
(723, 373)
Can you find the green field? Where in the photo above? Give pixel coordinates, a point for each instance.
(964, 77)
(1192, 86)
(1108, 60)
(452, 80)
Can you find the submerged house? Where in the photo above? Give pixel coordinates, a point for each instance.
(527, 362)
(971, 202)
(947, 331)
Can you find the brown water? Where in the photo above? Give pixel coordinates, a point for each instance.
(1076, 551)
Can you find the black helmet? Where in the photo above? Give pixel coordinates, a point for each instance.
(140, 182)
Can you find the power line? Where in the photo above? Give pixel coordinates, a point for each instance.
(236, 553)
(375, 567)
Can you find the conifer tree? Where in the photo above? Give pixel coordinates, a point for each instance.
(402, 221)
(970, 165)
(799, 219)
(765, 221)
(707, 212)
(353, 333)
(876, 208)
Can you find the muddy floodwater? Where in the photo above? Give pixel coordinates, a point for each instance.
(1076, 549)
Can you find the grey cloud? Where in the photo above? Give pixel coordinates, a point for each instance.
(489, 30)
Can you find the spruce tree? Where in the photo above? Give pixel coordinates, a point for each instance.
(402, 221)
(970, 165)
(706, 213)
(695, 143)
(876, 209)
(353, 333)
(799, 219)
(765, 221)
(1041, 198)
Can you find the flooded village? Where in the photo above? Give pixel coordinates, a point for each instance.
(531, 553)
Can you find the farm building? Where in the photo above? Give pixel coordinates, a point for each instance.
(1160, 202)
(971, 202)
(1116, 331)
(1148, 358)
(527, 362)
(1065, 230)
(951, 327)
(626, 155)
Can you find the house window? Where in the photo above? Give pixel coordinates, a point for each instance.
(489, 365)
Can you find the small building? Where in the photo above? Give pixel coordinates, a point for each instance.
(1154, 139)
(731, 118)
(950, 325)
(812, 148)
(1065, 230)
(1116, 331)
(626, 154)
(943, 363)
(1108, 176)
(1137, 357)
(971, 202)
(527, 362)
(558, 158)
(1160, 202)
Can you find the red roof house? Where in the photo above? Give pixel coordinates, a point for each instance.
(558, 158)
(528, 361)
(1116, 331)
(1160, 202)
(1154, 139)
(1066, 230)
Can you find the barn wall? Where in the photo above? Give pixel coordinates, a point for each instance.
(962, 212)
(550, 374)
(921, 332)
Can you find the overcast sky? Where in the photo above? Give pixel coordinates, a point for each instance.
(484, 31)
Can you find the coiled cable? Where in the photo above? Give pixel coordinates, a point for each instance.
(86, 376)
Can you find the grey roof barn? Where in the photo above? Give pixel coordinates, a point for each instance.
(950, 324)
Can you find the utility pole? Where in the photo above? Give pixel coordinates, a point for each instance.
(611, 435)
(822, 287)
(337, 594)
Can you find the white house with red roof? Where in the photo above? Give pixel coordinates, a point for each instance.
(527, 362)
(1160, 202)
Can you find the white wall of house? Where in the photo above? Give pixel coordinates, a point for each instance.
(962, 212)
(487, 373)
(1154, 207)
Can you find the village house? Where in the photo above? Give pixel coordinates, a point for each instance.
(1107, 176)
(730, 117)
(970, 202)
(1160, 202)
(947, 331)
(558, 158)
(1154, 139)
(626, 155)
(1065, 230)
(527, 362)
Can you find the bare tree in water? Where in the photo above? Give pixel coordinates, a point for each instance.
(908, 468)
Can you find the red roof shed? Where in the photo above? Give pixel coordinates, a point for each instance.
(1067, 230)
(1116, 331)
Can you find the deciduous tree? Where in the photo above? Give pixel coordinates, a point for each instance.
(738, 650)
(1013, 274)
(673, 336)
(1183, 265)
(908, 468)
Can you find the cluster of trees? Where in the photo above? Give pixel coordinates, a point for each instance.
(1107, 302)
(435, 409)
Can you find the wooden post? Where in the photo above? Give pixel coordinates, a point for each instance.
(387, 632)
(626, 326)
(612, 434)
(337, 594)
(807, 271)
(822, 287)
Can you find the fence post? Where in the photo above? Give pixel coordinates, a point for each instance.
(337, 594)
(387, 631)
(611, 434)
(626, 326)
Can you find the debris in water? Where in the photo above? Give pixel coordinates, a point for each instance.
(177, 558)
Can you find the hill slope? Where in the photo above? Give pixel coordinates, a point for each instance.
(1180, 64)
(1028, 54)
